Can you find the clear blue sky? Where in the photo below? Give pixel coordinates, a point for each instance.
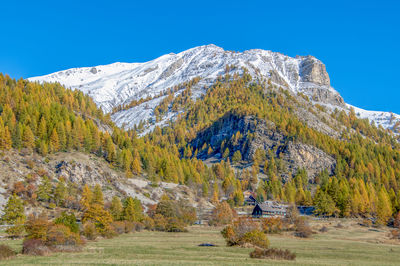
(358, 41)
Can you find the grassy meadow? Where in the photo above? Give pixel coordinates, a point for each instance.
(348, 245)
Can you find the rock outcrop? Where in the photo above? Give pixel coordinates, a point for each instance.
(258, 134)
(314, 71)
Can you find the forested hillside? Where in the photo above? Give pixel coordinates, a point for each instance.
(362, 180)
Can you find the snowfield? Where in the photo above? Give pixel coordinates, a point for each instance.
(120, 83)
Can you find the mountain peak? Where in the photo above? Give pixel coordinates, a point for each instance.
(121, 83)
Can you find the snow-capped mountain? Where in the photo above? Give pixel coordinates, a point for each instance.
(120, 83)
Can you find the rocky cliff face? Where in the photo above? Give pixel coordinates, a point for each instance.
(262, 135)
(312, 70)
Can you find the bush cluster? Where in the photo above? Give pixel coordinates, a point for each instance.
(170, 216)
(6, 252)
(44, 236)
(245, 231)
(273, 253)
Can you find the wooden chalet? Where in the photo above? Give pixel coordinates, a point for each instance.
(269, 209)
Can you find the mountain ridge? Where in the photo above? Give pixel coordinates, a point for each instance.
(119, 83)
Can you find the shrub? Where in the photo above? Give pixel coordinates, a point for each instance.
(30, 164)
(365, 222)
(323, 229)
(339, 225)
(244, 230)
(394, 234)
(35, 247)
(60, 234)
(272, 225)
(89, 231)
(303, 230)
(159, 222)
(230, 236)
(273, 253)
(148, 223)
(6, 252)
(175, 225)
(138, 226)
(108, 232)
(36, 227)
(17, 229)
(396, 222)
(118, 227)
(222, 214)
(129, 227)
(68, 220)
(257, 238)
(292, 214)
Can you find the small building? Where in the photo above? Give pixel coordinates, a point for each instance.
(249, 198)
(269, 209)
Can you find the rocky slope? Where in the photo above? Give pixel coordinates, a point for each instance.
(120, 83)
(80, 169)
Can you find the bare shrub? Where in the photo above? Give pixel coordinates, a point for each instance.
(339, 225)
(323, 229)
(273, 253)
(303, 229)
(365, 222)
(138, 226)
(35, 247)
(6, 252)
(118, 226)
(129, 227)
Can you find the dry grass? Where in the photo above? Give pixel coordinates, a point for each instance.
(351, 244)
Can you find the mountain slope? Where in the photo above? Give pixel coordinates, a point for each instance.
(121, 83)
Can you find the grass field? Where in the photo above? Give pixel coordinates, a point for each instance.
(350, 245)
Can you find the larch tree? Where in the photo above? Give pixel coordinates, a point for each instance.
(54, 141)
(384, 208)
(116, 208)
(28, 139)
